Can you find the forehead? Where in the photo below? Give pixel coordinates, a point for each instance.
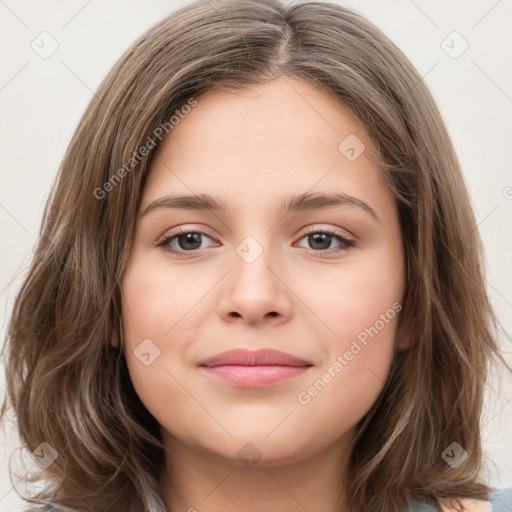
(254, 144)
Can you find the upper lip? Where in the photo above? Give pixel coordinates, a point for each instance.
(262, 357)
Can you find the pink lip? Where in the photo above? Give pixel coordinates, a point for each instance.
(248, 368)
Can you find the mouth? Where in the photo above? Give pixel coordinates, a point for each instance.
(254, 376)
(261, 368)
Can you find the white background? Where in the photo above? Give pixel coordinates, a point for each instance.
(41, 101)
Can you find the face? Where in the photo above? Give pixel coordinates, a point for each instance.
(322, 280)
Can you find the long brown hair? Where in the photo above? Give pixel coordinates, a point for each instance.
(71, 389)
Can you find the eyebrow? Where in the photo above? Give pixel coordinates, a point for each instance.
(297, 202)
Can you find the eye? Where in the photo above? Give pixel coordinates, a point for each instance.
(320, 240)
(191, 241)
(187, 241)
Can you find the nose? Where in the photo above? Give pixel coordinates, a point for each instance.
(256, 292)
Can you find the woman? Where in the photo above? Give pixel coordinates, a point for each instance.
(323, 342)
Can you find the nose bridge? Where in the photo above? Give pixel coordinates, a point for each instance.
(252, 274)
(255, 289)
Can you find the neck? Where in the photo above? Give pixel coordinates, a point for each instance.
(194, 480)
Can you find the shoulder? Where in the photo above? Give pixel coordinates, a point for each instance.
(470, 505)
(500, 500)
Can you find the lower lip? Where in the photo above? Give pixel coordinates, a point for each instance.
(254, 376)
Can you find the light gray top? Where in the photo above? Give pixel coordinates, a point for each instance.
(501, 500)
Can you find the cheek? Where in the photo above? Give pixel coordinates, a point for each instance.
(155, 298)
(352, 299)
(161, 317)
(361, 310)
(150, 309)
(357, 365)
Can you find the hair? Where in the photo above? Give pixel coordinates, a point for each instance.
(68, 385)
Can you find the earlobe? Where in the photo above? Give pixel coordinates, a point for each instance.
(403, 336)
(404, 341)
(114, 342)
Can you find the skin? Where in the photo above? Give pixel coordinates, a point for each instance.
(255, 148)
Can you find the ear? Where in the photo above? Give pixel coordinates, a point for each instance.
(403, 343)
(404, 333)
(114, 341)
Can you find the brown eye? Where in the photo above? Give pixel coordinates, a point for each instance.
(321, 241)
(183, 241)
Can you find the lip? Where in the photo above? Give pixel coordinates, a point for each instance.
(261, 357)
(254, 368)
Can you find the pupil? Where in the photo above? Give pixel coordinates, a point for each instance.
(317, 238)
(189, 238)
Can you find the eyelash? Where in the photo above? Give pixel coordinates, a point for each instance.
(165, 243)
